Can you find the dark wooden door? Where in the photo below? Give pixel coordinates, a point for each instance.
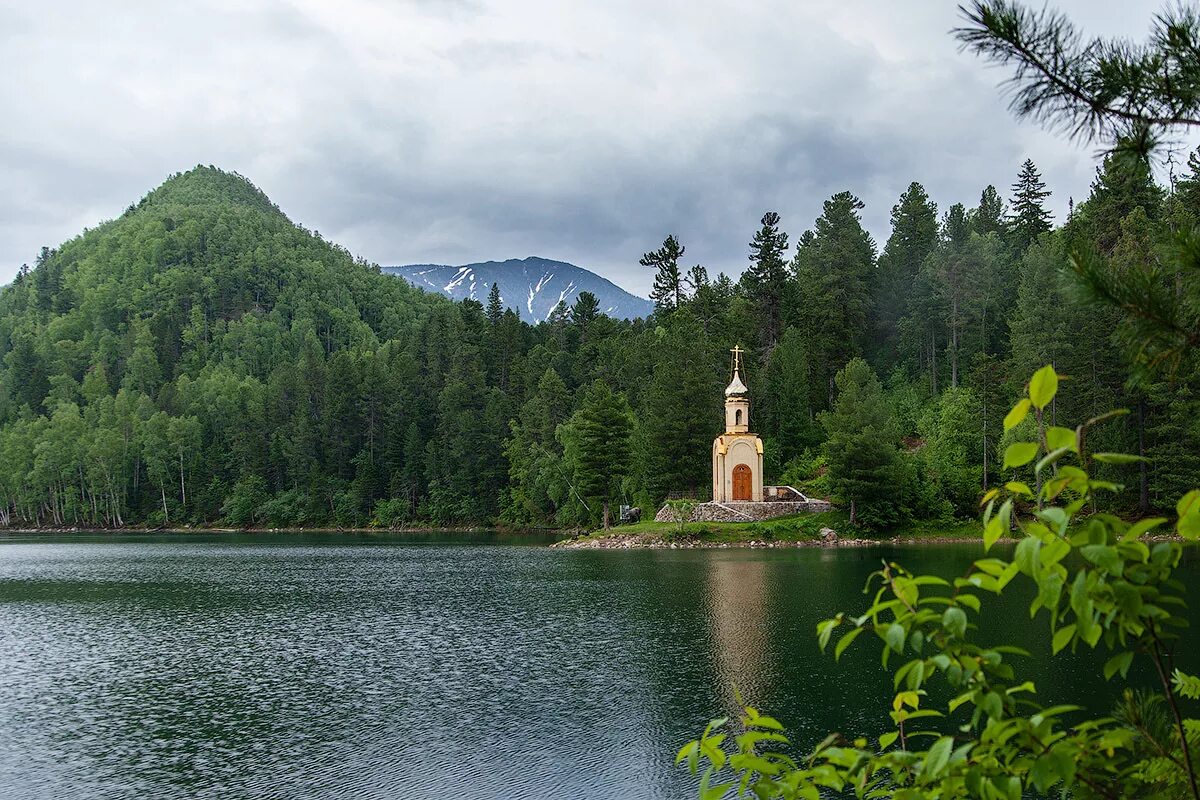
(743, 483)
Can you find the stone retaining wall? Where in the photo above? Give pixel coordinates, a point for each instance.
(743, 511)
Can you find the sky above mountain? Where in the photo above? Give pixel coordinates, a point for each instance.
(453, 131)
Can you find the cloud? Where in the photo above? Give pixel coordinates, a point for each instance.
(427, 131)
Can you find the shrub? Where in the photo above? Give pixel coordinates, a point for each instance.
(1096, 582)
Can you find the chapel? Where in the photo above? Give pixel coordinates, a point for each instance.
(737, 453)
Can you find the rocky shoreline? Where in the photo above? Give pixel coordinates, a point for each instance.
(643, 542)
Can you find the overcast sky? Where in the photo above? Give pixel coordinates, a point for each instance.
(452, 131)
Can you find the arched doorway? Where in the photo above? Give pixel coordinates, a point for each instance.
(743, 483)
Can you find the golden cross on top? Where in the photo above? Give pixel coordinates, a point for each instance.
(737, 356)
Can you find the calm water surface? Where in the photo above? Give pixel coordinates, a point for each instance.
(381, 666)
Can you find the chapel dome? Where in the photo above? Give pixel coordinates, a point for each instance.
(736, 387)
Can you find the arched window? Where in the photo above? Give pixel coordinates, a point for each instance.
(737, 417)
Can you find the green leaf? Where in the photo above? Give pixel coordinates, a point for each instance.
(1017, 487)
(1188, 509)
(894, 637)
(825, 630)
(954, 620)
(1050, 458)
(1186, 685)
(1043, 386)
(845, 641)
(1018, 454)
(937, 758)
(1118, 663)
(1062, 638)
(1058, 438)
(1105, 557)
(1142, 526)
(992, 532)
(1117, 458)
(1017, 415)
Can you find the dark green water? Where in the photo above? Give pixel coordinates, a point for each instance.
(342, 666)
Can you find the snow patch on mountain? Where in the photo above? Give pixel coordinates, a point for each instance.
(541, 282)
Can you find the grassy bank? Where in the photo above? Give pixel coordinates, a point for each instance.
(796, 528)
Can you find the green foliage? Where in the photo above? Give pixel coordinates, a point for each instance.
(668, 291)
(154, 363)
(862, 450)
(966, 724)
(833, 266)
(949, 457)
(597, 448)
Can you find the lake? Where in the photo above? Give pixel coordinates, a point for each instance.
(385, 666)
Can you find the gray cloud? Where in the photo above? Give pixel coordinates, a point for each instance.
(460, 131)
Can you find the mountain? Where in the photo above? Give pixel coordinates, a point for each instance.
(532, 286)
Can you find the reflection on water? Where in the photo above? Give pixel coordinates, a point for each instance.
(736, 598)
(335, 666)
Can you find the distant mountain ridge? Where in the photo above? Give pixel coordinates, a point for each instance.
(532, 287)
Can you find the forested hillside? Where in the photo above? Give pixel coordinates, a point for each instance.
(201, 359)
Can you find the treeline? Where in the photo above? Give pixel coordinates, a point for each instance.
(202, 359)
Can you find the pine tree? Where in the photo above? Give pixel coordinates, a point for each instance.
(1187, 189)
(765, 281)
(1028, 218)
(862, 446)
(667, 292)
(495, 308)
(1123, 183)
(785, 411)
(535, 469)
(914, 236)
(833, 266)
(988, 217)
(585, 311)
(681, 411)
(600, 441)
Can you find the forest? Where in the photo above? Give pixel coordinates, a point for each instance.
(203, 360)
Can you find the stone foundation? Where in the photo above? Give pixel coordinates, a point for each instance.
(743, 511)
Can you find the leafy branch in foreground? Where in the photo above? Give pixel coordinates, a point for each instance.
(1099, 584)
(1094, 88)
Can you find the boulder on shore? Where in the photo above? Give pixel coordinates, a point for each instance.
(828, 536)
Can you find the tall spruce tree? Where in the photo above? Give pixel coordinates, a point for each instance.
(862, 446)
(914, 236)
(601, 432)
(988, 216)
(1123, 183)
(834, 266)
(667, 292)
(495, 307)
(681, 411)
(1028, 216)
(765, 281)
(785, 410)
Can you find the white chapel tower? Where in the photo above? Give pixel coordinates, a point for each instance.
(737, 453)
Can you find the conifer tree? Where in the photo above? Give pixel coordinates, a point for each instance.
(495, 308)
(988, 217)
(1028, 216)
(585, 311)
(862, 446)
(785, 410)
(536, 486)
(834, 267)
(681, 414)
(1123, 184)
(667, 293)
(600, 438)
(914, 236)
(765, 281)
